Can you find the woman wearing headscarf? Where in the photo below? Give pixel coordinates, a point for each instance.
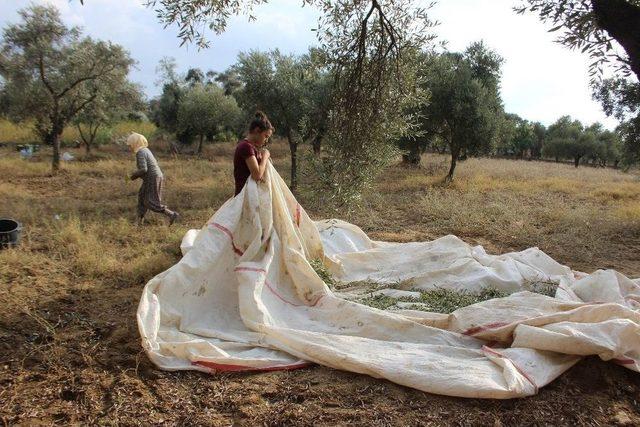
(150, 194)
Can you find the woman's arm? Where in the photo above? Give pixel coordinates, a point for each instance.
(257, 170)
(141, 163)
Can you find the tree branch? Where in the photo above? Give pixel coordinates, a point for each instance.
(104, 71)
(84, 104)
(43, 78)
(81, 134)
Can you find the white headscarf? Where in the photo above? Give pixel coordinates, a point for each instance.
(137, 141)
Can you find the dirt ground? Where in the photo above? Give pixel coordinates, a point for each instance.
(69, 346)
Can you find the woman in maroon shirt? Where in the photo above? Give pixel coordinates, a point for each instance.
(250, 159)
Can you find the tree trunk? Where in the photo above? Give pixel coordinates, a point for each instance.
(576, 161)
(92, 137)
(54, 140)
(620, 19)
(86, 140)
(317, 142)
(200, 144)
(455, 153)
(293, 147)
(413, 156)
(174, 148)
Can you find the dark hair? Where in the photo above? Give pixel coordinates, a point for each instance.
(260, 122)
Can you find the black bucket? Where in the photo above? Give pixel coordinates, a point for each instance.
(9, 233)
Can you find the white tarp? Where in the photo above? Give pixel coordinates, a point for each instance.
(244, 297)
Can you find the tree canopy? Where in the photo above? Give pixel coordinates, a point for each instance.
(52, 73)
(465, 108)
(118, 99)
(205, 110)
(288, 88)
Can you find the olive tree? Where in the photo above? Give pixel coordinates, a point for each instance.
(620, 98)
(539, 136)
(52, 73)
(464, 108)
(205, 110)
(519, 139)
(629, 133)
(115, 102)
(229, 80)
(164, 111)
(373, 51)
(567, 139)
(607, 146)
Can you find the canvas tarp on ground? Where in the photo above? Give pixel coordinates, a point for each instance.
(244, 297)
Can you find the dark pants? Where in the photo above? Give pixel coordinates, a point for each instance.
(150, 196)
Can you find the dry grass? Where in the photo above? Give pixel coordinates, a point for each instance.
(23, 133)
(587, 218)
(10, 132)
(69, 347)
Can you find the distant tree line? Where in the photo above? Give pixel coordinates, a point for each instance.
(464, 116)
(216, 106)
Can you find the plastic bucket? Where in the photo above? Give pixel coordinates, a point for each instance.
(9, 232)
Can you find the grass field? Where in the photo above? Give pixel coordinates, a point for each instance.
(69, 346)
(24, 134)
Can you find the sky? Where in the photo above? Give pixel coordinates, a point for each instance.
(541, 80)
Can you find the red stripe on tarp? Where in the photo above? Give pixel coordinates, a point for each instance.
(624, 361)
(523, 373)
(240, 368)
(228, 232)
(281, 298)
(258, 270)
(482, 328)
(272, 289)
(496, 325)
